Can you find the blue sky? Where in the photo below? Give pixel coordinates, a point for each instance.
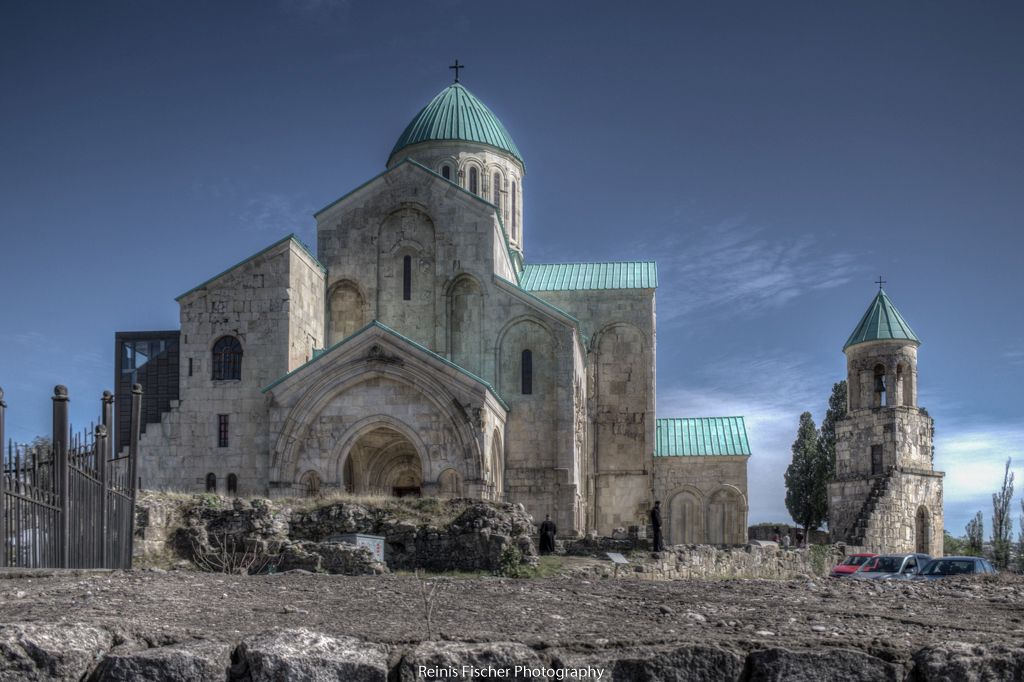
(774, 158)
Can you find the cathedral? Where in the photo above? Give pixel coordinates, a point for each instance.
(419, 352)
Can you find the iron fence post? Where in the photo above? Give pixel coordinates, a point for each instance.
(100, 446)
(133, 458)
(60, 449)
(3, 487)
(102, 455)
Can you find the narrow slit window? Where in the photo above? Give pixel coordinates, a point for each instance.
(190, 366)
(222, 430)
(407, 278)
(496, 192)
(446, 172)
(527, 372)
(515, 217)
(474, 181)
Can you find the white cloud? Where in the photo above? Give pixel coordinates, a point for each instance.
(974, 459)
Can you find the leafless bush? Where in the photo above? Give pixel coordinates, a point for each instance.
(427, 596)
(229, 555)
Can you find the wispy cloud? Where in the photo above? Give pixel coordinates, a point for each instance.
(279, 213)
(316, 8)
(739, 267)
(1014, 357)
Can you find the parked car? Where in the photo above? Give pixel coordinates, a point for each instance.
(850, 564)
(892, 567)
(954, 565)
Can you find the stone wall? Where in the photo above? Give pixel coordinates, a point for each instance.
(272, 303)
(683, 562)
(464, 535)
(703, 499)
(620, 392)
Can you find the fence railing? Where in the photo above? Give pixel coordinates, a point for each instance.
(69, 503)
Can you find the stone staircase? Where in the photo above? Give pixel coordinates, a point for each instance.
(879, 488)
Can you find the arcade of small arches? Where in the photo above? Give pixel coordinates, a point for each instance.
(715, 519)
(384, 461)
(488, 183)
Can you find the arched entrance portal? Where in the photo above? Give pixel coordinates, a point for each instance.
(383, 462)
(923, 529)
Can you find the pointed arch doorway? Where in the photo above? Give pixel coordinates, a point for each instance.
(383, 461)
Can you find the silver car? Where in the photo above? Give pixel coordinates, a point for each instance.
(892, 567)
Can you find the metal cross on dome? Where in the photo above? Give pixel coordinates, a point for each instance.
(880, 282)
(457, 66)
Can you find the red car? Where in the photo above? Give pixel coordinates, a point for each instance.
(850, 564)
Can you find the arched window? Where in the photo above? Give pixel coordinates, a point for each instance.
(446, 172)
(879, 386)
(515, 217)
(407, 278)
(496, 191)
(227, 358)
(526, 369)
(232, 484)
(211, 483)
(474, 180)
(310, 481)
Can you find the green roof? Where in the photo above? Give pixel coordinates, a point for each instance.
(455, 114)
(290, 237)
(578, 276)
(881, 321)
(701, 437)
(322, 352)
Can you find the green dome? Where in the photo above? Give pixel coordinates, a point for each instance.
(881, 322)
(455, 114)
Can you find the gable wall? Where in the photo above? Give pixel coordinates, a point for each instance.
(620, 324)
(273, 304)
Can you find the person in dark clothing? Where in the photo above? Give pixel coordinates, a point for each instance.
(656, 526)
(547, 535)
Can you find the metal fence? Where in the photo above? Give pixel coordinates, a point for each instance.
(70, 503)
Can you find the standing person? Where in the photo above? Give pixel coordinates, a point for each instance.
(656, 525)
(547, 535)
(799, 538)
(775, 535)
(786, 541)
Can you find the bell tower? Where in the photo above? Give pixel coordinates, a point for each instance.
(886, 495)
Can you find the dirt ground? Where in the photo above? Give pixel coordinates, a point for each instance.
(886, 619)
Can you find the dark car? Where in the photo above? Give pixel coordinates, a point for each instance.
(955, 565)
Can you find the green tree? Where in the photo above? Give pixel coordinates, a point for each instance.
(827, 435)
(1002, 522)
(952, 546)
(807, 478)
(1020, 540)
(975, 535)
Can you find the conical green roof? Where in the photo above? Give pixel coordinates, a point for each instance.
(455, 114)
(881, 321)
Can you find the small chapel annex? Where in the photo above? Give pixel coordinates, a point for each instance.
(419, 352)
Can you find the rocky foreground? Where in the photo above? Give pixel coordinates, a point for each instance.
(152, 625)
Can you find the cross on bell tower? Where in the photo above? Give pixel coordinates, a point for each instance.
(880, 282)
(457, 66)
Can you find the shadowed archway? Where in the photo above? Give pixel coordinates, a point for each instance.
(383, 461)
